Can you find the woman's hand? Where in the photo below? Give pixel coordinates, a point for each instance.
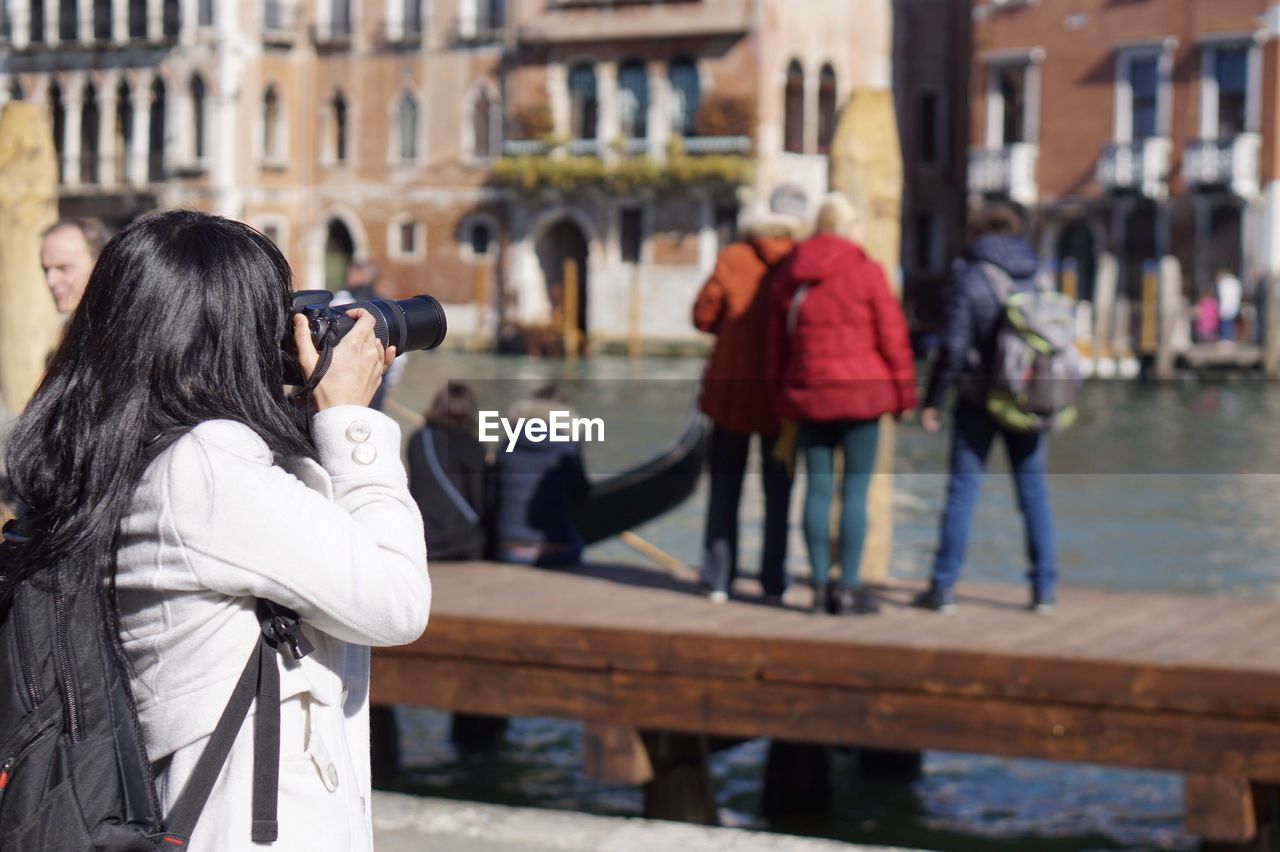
(356, 369)
(930, 420)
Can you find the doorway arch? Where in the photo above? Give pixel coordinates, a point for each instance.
(560, 242)
(339, 252)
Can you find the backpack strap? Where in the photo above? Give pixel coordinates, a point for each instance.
(260, 680)
(1001, 282)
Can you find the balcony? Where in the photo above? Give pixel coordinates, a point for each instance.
(279, 24)
(1008, 172)
(1230, 164)
(1140, 167)
(400, 33)
(335, 36)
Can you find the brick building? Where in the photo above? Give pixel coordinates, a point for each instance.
(1130, 132)
(432, 136)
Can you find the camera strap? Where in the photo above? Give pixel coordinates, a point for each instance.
(325, 350)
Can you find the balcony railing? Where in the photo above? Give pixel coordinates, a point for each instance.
(1226, 164)
(1140, 167)
(1009, 172)
(525, 148)
(699, 145)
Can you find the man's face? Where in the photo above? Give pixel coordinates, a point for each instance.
(67, 262)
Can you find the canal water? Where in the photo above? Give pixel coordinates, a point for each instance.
(1159, 488)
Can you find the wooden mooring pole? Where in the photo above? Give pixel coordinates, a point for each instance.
(570, 319)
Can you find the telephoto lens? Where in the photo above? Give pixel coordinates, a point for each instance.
(416, 323)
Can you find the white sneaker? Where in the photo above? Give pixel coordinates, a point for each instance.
(718, 596)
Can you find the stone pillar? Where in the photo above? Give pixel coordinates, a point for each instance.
(155, 20)
(140, 161)
(108, 158)
(607, 131)
(84, 21)
(51, 14)
(659, 118)
(73, 104)
(120, 21)
(866, 165)
(29, 323)
(187, 28)
(20, 23)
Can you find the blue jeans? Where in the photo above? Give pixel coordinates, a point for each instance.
(857, 441)
(728, 463)
(970, 443)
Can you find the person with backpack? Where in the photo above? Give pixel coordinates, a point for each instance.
(839, 359)
(194, 550)
(733, 305)
(450, 477)
(992, 299)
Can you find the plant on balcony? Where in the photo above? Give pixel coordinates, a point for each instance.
(721, 115)
(622, 176)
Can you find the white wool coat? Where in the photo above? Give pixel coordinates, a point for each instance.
(216, 523)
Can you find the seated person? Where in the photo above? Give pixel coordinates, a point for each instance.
(448, 473)
(537, 484)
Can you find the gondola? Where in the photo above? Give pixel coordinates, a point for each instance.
(639, 494)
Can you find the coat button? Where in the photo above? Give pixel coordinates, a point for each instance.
(359, 431)
(331, 772)
(364, 453)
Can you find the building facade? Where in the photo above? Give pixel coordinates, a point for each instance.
(1140, 138)
(467, 147)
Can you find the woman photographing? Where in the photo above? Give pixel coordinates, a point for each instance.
(162, 461)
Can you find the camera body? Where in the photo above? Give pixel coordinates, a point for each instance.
(417, 323)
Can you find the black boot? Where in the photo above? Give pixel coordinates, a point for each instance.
(857, 601)
(821, 601)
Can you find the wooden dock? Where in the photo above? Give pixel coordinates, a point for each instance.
(1185, 684)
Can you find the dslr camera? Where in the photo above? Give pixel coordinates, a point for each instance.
(417, 323)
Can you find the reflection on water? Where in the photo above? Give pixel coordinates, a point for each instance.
(1169, 488)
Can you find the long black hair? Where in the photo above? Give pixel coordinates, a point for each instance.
(181, 322)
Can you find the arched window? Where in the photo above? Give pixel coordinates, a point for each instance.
(686, 92)
(102, 20)
(794, 109)
(482, 126)
(155, 144)
(68, 20)
(272, 120)
(197, 117)
(137, 19)
(171, 18)
(340, 17)
(480, 239)
(124, 132)
(633, 100)
(411, 17)
(338, 127)
(58, 118)
(826, 109)
(497, 14)
(407, 128)
(90, 124)
(35, 32)
(584, 104)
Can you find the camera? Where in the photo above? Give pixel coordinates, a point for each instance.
(417, 323)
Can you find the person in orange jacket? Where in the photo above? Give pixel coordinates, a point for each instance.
(734, 306)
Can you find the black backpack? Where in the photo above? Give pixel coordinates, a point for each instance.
(74, 773)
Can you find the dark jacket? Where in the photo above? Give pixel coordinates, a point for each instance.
(972, 315)
(448, 480)
(536, 486)
(847, 356)
(734, 306)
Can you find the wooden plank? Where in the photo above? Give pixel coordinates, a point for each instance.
(1219, 808)
(1182, 742)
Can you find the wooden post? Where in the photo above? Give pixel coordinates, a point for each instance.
(681, 787)
(1219, 809)
(1271, 326)
(866, 165)
(1070, 279)
(797, 780)
(1150, 309)
(1172, 328)
(570, 318)
(633, 315)
(480, 296)
(1104, 305)
(29, 322)
(614, 754)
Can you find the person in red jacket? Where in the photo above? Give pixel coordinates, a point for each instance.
(733, 305)
(838, 359)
